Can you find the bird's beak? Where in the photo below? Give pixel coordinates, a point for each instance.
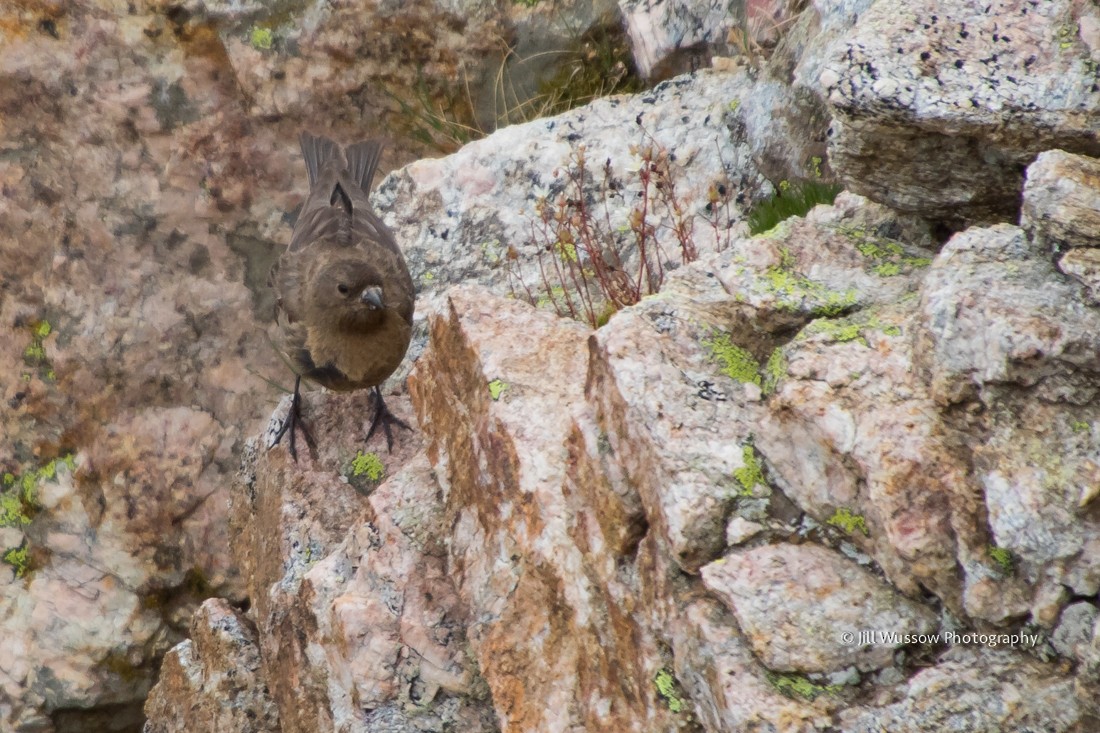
(372, 296)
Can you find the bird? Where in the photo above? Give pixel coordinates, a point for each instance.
(344, 298)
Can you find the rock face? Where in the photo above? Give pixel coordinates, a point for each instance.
(840, 475)
(939, 107)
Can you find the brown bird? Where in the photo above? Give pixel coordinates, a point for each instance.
(343, 293)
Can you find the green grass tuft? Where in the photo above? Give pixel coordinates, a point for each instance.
(793, 199)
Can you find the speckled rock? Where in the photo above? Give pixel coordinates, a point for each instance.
(1061, 206)
(554, 635)
(213, 681)
(938, 107)
(979, 690)
(669, 38)
(803, 608)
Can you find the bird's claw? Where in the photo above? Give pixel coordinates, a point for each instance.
(385, 418)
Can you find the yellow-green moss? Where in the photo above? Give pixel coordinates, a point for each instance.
(18, 558)
(367, 464)
(669, 690)
(793, 289)
(775, 368)
(1005, 560)
(497, 388)
(845, 520)
(736, 363)
(1079, 426)
(798, 687)
(889, 254)
(843, 330)
(261, 39)
(751, 473)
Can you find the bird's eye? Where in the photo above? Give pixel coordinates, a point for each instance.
(342, 288)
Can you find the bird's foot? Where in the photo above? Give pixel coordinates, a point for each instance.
(384, 418)
(293, 422)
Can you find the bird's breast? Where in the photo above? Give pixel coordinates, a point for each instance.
(346, 360)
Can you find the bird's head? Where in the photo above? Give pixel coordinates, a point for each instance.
(347, 294)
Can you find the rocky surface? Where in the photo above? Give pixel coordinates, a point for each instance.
(938, 108)
(852, 423)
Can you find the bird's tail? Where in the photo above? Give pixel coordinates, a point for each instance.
(317, 151)
(363, 162)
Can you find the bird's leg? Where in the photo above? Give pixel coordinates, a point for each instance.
(383, 417)
(294, 420)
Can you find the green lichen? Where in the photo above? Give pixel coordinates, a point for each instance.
(428, 276)
(845, 520)
(796, 686)
(1005, 560)
(888, 254)
(493, 252)
(775, 368)
(734, 104)
(261, 39)
(19, 559)
(34, 355)
(669, 690)
(794, 291)
(751, 473)
(12, 511)
(1079, 426)
(19, 498)
(845, 330)
(736, 363)
(369, 465)
(497, 388)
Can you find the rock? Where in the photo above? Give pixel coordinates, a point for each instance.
(939, 108)
(1074, 632)
(805, 609)
(1083, 265)
(516, 542)
(390, 627)
(669, 38)
(472, 217)
(980, 690)
(1032, 329)
(1024, 356)
(1061, 208)
(729, 688)
(213, 681)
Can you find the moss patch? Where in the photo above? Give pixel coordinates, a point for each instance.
(796, 686)
(796, 293)
(850, 523)
(774, 370)
(751, 474)
(1004, 559)
(888, 255)
(669, 690)
(18, 558)
(497, 387)
(736, 363)
(368, 465)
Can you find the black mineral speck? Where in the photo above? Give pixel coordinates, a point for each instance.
(958, 63)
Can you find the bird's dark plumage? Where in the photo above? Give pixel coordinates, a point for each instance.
(343, 294)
